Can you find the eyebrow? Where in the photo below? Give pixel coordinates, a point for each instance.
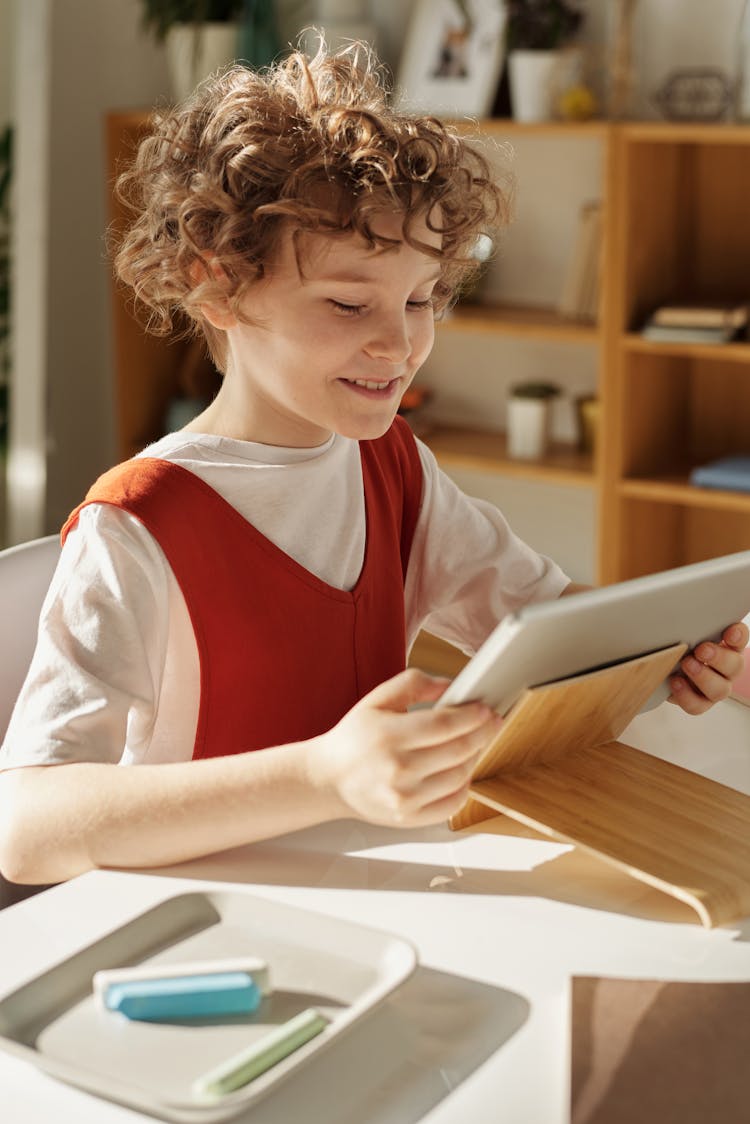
(367, 279)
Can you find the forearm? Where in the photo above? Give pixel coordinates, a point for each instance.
(59, 821)
(387, 761)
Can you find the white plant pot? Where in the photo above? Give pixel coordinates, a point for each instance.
(538, 78)
(528, 426)
(196, 50)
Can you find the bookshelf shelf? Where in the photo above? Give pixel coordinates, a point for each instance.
(485, 451)
(724, 352)
(672, 133)
(507, 127)
(676, 489)
(519, 320)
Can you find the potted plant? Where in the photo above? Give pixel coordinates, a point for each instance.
(200, 36)
(528, 419)
(541, 63)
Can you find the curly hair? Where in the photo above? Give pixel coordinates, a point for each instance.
(311, 145)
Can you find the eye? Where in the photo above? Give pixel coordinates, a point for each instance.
(418, 306)
(348, 309)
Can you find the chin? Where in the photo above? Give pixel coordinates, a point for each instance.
(368, 430)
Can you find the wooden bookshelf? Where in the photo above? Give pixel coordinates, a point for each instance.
(677, 230)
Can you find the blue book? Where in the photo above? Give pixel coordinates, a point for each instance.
(729, 473)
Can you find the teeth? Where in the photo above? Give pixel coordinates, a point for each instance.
(369, 385)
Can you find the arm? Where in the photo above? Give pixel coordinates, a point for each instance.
(380, 763)
(66, 802)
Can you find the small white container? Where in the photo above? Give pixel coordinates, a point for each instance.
(528, 422)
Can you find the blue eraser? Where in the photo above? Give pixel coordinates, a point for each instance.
(184, 997)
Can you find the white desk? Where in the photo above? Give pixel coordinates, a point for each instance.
(501, 919)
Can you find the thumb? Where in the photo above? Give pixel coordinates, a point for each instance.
(406, 689)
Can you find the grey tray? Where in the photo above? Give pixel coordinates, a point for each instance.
(341, 968)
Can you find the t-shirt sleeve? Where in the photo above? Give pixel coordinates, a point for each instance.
(96, 669)
(467, 568)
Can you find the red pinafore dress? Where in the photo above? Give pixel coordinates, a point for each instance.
(283, 655)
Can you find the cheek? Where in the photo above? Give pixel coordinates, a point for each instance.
(422, 340)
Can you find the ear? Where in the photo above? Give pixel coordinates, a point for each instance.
(217, 312)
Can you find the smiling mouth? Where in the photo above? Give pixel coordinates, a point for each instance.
(371, 384)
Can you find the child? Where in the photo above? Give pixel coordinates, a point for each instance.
(233, 608)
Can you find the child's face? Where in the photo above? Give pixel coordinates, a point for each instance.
(335, 349)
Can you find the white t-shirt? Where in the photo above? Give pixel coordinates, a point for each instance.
(115, 674)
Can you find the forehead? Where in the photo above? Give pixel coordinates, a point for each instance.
(313, 253)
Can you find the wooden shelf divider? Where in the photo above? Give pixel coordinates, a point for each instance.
(734, 352)
(678, 490)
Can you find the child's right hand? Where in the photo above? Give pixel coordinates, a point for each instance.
(402, 768)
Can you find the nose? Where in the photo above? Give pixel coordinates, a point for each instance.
(389, 338)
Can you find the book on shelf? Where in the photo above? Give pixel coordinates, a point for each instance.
(732, 474)
(694, 322)
(662, 333)
(692, 314)
(579, 298)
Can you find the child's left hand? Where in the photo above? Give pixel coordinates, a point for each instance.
(709, 671)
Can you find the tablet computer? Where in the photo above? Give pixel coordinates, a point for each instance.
(551, 640)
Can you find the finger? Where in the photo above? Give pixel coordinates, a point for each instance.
(737, 636)
(405, 689)
(441, 810)
(437, 812)
(710, 683)
(418, 764)
(422, 729)
(686, 696)
(724, 660)
(439, 797)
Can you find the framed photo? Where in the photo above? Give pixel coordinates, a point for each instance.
(452, 57)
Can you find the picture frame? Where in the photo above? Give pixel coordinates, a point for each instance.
(452, 58)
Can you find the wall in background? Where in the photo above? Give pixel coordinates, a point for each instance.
(6, 55)
(73, 60)
(5, 111)
(100, 61)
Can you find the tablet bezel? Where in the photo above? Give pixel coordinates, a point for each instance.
(550, 640)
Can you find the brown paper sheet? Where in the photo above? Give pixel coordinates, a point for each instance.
(659, 1052)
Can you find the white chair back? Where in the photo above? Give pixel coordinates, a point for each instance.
(25, 573)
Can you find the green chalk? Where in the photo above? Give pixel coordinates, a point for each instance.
(249, 1063)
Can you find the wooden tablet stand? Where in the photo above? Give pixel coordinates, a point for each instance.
(556, 766)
